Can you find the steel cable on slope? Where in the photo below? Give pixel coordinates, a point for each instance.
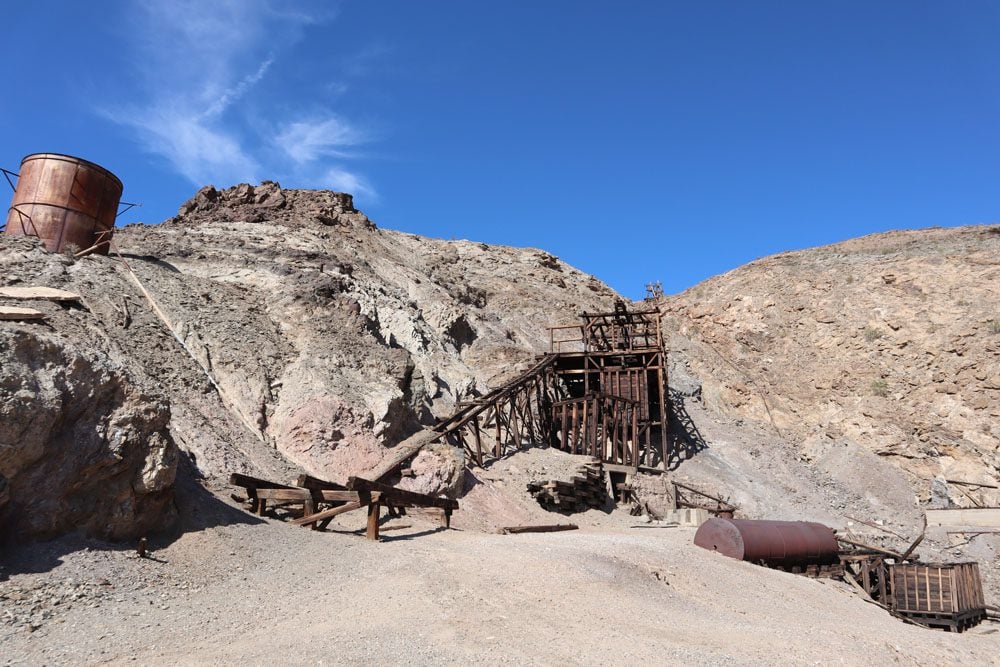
(158, 311)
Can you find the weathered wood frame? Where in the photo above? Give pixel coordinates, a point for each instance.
(359, 493)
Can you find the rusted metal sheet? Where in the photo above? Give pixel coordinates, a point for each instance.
(785, 544)
(66, 201)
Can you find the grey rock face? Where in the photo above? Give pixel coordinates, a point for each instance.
(81, 447)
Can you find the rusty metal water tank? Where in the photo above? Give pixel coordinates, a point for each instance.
(784, 544)
(64, 200)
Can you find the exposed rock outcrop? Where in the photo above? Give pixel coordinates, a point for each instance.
(82, 447)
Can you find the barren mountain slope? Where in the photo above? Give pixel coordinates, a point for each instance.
(890, 342)
(333, 339)
(285, 332)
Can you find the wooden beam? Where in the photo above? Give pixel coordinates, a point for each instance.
(403, 452)
(13, 313)
(871, 524)
(849, 578)
(549, 528)
(479, 441)
(400, 496)
(906, 554)
(246, 481)
(981, 484)
(308, 494)
(310, 482)
(887, 552)
(38, 293)
(615, 467)
(326, 514)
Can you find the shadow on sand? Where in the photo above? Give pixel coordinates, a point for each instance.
(685, 438)
(197, 509)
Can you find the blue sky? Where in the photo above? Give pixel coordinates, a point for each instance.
(638, 141)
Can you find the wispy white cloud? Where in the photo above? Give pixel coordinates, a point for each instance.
(197, 150)
(344, 181)
(196, 67)
(307, 140)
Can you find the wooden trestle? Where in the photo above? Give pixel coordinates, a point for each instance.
(601, 390)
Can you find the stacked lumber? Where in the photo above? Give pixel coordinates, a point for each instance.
(585, 489)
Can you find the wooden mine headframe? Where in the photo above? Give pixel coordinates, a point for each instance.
(613, 367)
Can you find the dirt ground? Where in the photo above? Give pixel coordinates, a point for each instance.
(243, 590)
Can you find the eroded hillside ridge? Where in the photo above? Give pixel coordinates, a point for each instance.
(295, 335)
(890, 341)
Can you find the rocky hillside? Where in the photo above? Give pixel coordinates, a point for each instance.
(264, 330)
(273, 331)
(890, 342)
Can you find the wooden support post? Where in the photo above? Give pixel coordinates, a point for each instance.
(664, 447)
(576, 429)
(883, 572)
(446, 518)
(309, 507)
(497, 446)
(595, 439)
(635, 436)
(565, 427)
(479, 441)
(514, 429)
(617, 431)
(374, 509)
(528, 413)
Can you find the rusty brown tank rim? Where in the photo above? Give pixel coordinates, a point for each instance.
(72, 158)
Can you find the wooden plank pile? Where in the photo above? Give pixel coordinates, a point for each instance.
(321, 500)
(584, 490)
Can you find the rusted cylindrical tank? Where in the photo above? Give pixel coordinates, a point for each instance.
(64, 200)
(784, 544)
